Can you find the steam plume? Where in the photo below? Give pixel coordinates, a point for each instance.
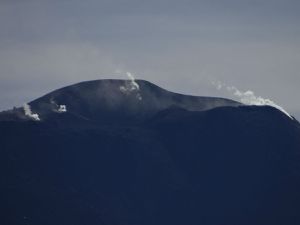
(131, 86)
(249, 98)
(59, 108)
(28, 112)
(62, 108)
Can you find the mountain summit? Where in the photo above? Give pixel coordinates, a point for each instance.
(102, 100)
(119, 152)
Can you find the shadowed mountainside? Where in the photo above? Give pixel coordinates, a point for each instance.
(104, 100)
(164, 158)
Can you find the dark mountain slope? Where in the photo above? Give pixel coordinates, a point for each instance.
(225, 165)
(104, 100)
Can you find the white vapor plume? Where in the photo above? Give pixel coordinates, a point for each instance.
(28, 112)
(249, 98)
(131, 86)
(59, 108)
(62, 108)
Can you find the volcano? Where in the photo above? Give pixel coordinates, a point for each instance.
(115, 100)
(121, 152)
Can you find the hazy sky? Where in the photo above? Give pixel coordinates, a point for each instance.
(179, 45)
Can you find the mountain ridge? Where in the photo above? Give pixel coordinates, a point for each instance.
(111, 96)
(231, 164)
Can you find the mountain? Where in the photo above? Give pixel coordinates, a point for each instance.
(103, 100)
(118, 152)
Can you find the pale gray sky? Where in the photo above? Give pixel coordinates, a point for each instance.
(179, 45)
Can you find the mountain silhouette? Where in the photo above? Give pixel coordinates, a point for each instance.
(115, 152)
(103, 100)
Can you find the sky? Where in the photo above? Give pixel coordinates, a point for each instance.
(183, 46)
